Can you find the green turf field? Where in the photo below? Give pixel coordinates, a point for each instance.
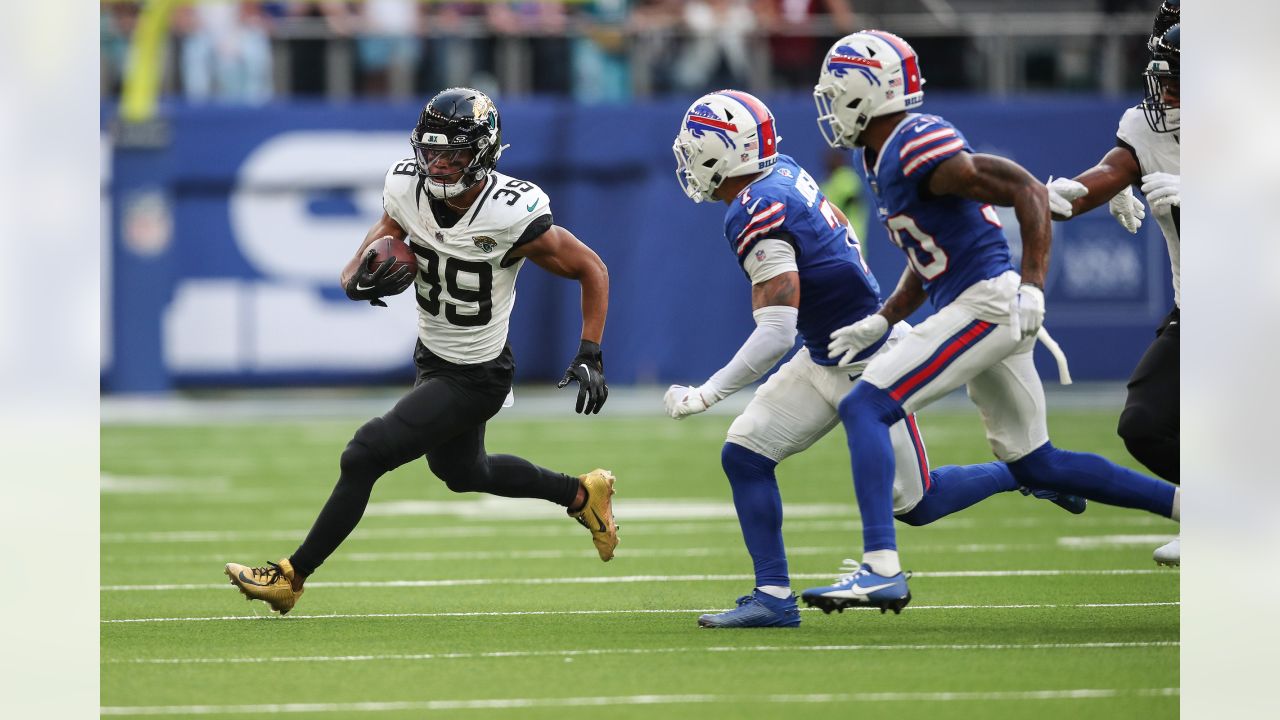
(462, 606)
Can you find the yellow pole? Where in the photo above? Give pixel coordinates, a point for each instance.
(141, 91)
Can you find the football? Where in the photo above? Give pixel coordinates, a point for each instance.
(389, 247)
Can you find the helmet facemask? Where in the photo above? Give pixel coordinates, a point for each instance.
(1162, 86)
(1161, 104)
(457, 141)
(448, 170)
(839, 117)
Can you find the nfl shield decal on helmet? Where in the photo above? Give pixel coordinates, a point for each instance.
(485, 243)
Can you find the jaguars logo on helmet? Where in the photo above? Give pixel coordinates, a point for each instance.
(460, 130)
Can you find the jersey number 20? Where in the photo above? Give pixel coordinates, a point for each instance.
(926, 258)
(481, 296)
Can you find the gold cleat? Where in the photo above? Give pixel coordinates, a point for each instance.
(272, 584)
(596, 514)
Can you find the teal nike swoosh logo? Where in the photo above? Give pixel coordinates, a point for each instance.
(531, 207)
(248, 581)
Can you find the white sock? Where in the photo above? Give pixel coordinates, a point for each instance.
(782, 592)
(1176, 515)
(884, 562)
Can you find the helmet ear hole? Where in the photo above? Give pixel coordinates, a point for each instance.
(709, 163)
(854, 103)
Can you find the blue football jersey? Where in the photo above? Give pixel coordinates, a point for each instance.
(836, 286)
(951, 242)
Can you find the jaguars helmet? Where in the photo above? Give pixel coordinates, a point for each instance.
(1161, 104)
(460, 130)
(723, 134)
(865, 75)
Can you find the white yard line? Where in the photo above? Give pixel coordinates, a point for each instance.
(1102, 542)
(643, 611)
(508, 528)
(631, 552)
(637, 651)
(595, 701)
(608, 580)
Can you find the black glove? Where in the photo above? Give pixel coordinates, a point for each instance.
(371, 285)
(588, 369)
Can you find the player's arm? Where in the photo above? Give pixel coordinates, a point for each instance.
(775, 305)
(557, 251)
(849, 341)
(998, 181)
(905, 299)
(1117, 170)
(360, 283)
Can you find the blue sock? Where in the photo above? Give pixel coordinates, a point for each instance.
(1093, 477)
(956, 487)
(867, 413)
(759, 506)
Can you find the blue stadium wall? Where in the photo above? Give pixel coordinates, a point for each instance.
(222, 248)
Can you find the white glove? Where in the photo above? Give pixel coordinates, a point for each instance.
(850, 340)
(1062, 192)
(1127, 209)
(683, 401)
(1162, 189)
(1028, 311)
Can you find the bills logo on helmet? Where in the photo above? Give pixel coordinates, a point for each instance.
(846, 58)
(702, 119)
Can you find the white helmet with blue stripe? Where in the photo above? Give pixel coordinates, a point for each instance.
(723, 134)
(865, 75)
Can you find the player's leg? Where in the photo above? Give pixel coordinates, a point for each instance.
(1011, 400)
(465, 466)
(786, 415)
(932, 359)
(1149, 424)
(434, 412)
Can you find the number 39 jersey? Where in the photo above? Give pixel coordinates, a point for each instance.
(466, 277)
(951, 242)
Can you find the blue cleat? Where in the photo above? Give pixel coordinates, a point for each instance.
(1073, 504)
(857, 586)
(756, 610)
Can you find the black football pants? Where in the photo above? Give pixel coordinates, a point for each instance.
(443, 418)
(1149, 423)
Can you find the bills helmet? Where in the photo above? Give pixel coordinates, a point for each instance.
(723, 134)
(457, 141)
(1161, 104)
(865, 75)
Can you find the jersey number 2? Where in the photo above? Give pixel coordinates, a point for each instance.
(926, 258)
(481, 296)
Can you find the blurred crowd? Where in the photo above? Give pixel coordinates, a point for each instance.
(591, 50)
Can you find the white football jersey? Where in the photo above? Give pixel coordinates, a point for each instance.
(1157, 152)
(466, 284)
